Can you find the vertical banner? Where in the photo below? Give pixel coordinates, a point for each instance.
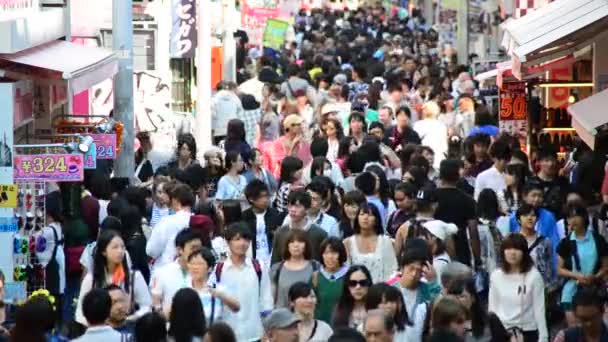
(183, 33)
(514, 111)
(254, 14)
(558, 96)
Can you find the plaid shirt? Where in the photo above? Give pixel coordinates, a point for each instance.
(251, 119)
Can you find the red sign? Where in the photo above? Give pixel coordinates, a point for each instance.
(49, 167)
(513, 103)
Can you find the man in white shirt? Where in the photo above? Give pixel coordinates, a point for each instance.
(246, 281)
(160, 246)
(493, 178)
(172, 277)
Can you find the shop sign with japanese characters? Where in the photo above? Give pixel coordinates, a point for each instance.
(183, 33)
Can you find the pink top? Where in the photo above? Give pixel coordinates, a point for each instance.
(275, 151)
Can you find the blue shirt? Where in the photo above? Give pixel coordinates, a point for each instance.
(587, 254)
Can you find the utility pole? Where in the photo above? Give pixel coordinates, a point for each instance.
(203, 77)
(462, 35)
(122, 43)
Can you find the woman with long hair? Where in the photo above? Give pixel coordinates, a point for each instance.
(303, 302)
(582, 258)
(328, 281)
(291, 176)
(490, 236)
(333, 132)
(296, 265)
(351, 203)
(187, 319)
(135, 241)
(350, 310)
(369, 246)
(232, 185)
(235, 139)
(150, 327)
(516, 175)
(320, 166)
(110, 267)
(383, 189)
(161, 200)
(347, 146)
(517, 292)
(214, 169)
(389, 298)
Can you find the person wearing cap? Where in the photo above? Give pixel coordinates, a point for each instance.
(425, 204)
(438, 237)
(291, 143)
(281, 325)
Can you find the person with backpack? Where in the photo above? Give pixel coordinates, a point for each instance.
(588, 307)
(425, 204)
(246, 281)
(296, 266)
(582, 258)
(49, 250)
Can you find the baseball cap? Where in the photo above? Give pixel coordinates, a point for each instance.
(292, 119)
(440, 229)
(280, 319)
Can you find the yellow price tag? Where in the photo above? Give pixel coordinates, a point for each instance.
(8, 196)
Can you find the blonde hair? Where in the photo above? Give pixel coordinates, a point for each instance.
(430, 110)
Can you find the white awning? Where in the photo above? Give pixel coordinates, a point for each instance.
(563, 25)
(83, 66)
(588, 115)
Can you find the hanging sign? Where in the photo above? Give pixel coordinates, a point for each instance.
(106, 145)
(274, 35)
(183, 34)
(8, 196)
(90, 158)
(49, 167)
(514, 110)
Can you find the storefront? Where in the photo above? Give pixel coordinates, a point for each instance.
(553, 53)
(39, 75)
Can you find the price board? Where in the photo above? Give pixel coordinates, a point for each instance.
(513, 117)
(90, 158)
(8, 196)
(106, 145)
(49, 167)
(274, 35)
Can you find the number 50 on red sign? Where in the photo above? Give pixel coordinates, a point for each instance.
(49, 167)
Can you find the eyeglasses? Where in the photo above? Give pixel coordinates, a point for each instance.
(362, 283)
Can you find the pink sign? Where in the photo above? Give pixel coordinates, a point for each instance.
(49, 167)
(106, 145)
(254, 20)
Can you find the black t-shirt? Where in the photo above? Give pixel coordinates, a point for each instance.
(455, 206)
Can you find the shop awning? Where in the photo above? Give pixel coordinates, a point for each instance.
(83, 66)
(555, 30)
(588, 115)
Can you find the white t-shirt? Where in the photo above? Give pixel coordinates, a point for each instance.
(166, 281)
(208, 303)
(261, 239)
(45, 256)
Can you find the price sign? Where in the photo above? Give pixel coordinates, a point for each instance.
(106, 145)
(8, 196)
(90, 158)
(513, 103)
(49, 167)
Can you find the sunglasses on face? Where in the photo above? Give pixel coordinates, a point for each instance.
(362, 283)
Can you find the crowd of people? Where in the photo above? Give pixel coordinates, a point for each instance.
(358, 190)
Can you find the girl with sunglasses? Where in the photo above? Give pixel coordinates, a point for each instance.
(350, 311)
